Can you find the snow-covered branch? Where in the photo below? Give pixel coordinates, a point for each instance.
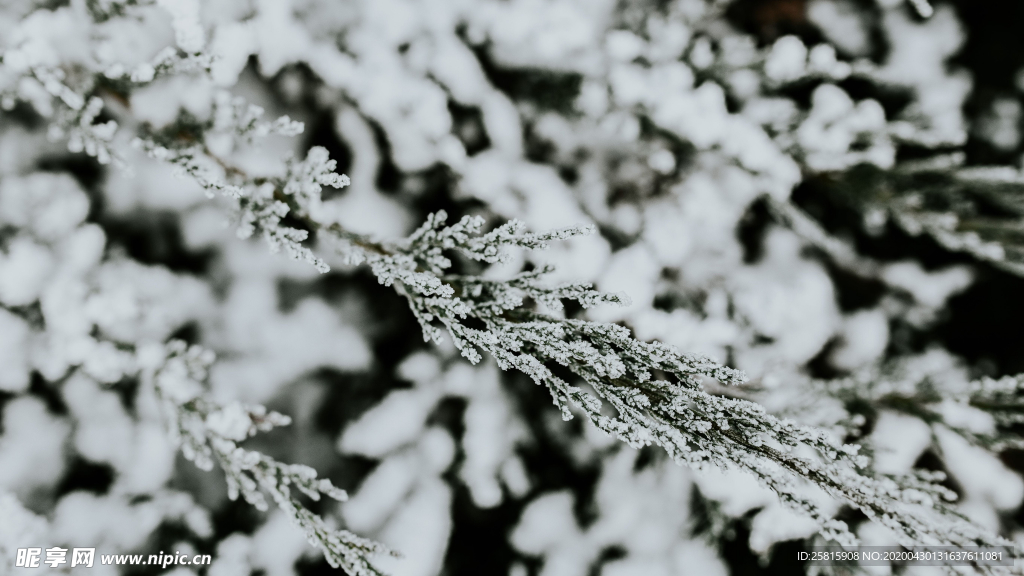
(209, 433)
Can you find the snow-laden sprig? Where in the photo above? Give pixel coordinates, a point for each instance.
(72, 115)
(656, 391)
(261, 203)
(304, 180)
(418, 262)
(1003, 400)
(73, 110)
(209, 433)
(954, 205)
(192, 162)
(83, 134)
(986, 412)
(494, 296)
(167, 62)
(234, 115)
(972, 210)
(428, 242)
(696, 428)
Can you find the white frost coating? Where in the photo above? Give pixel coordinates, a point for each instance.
(382, 491)
(419, 367)
(632, 271)
(363, 209)
(923, 7)
(50, 206)
(188, 30)
(1000, 126)
(788, 299)
(624, 45)
(232, 421)
(965, 416)
(865, 335)
(835, 124)
(160, 102)
(491, 433)
(124, 302)
(23, 272)
(899, 441)
(249, 474)
(256, 375)
(931, 289)
(737, 492)
(701, 120)
(105, 432)
(777, 524)
(232, 556)
(414, 457)
(842, 23)
(545, 521)
(277, 545)
(396, 421)
(232, 44)
(637, 511)
(787, 59)
(273, 549)
(661, 232)
(406, 503)
(982, 475)
(113, 522)
(420, 528)
(698, 557)
(918, 60)
(19, 528)
(31, 446)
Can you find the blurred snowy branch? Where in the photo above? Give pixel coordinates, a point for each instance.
(209, 433)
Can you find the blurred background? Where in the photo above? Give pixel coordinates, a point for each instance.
(802, 189)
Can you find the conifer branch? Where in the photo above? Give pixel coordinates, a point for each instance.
(209, 433)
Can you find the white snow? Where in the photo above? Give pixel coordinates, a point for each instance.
(31, 446)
